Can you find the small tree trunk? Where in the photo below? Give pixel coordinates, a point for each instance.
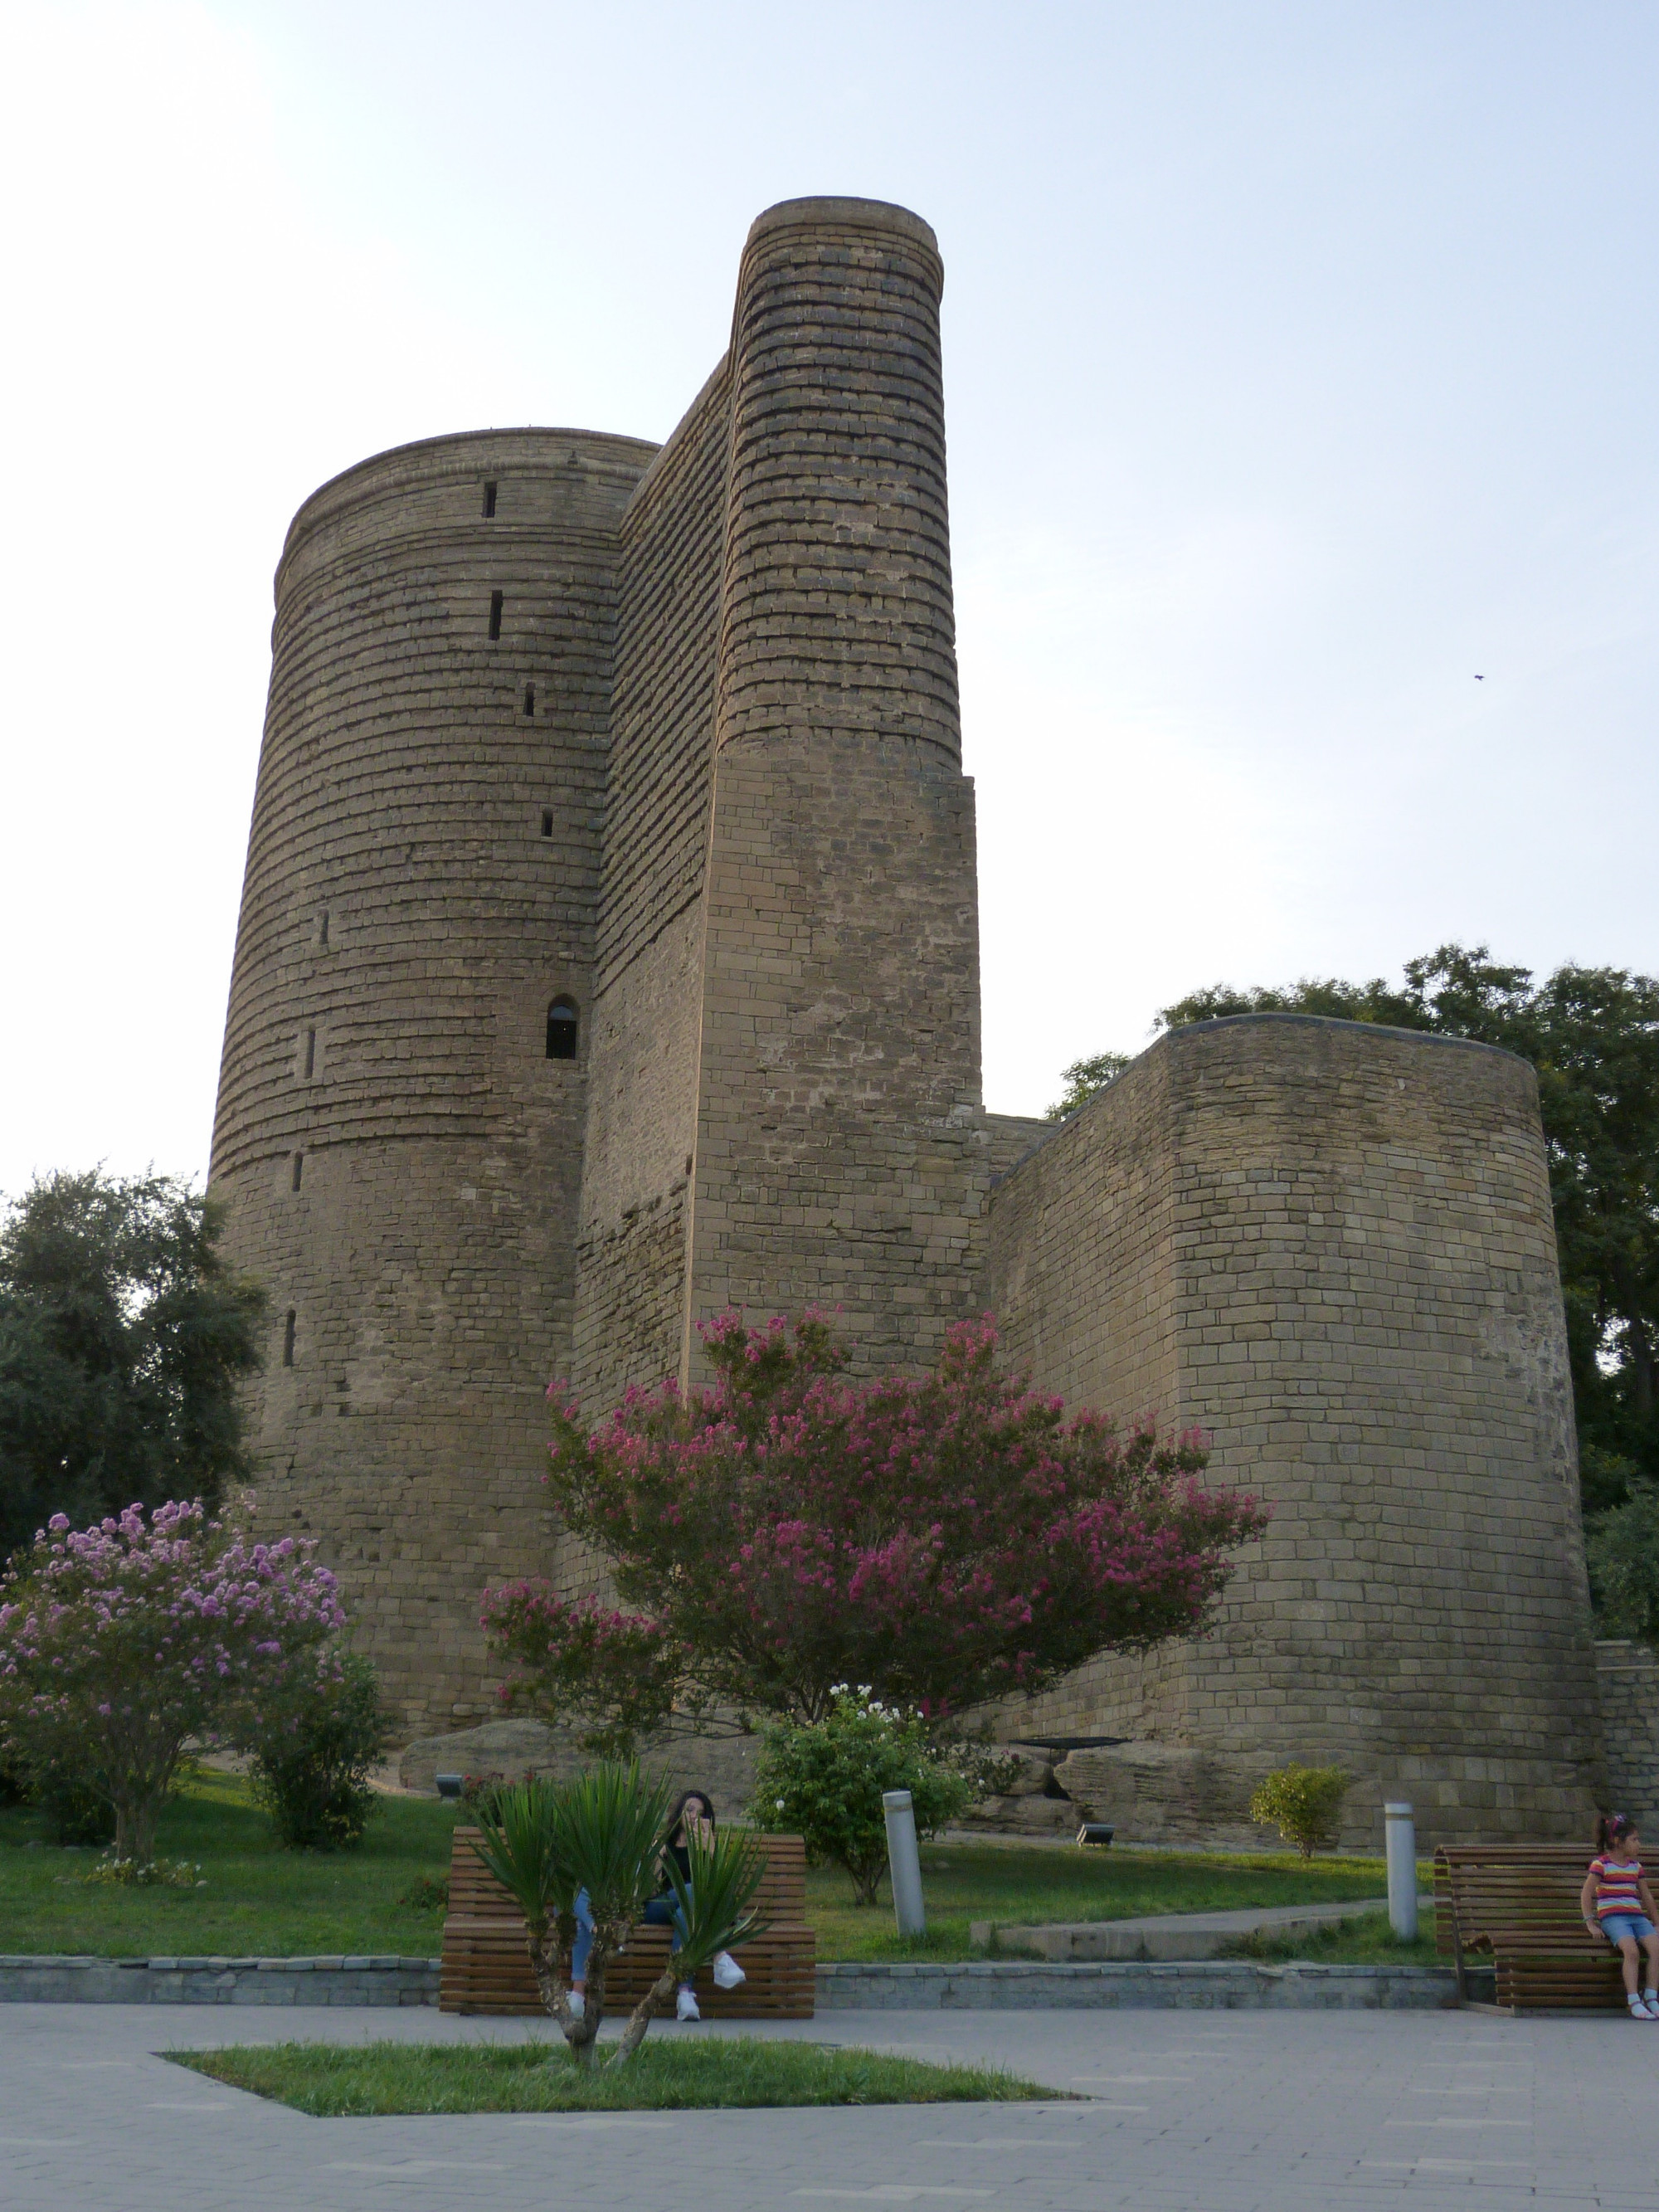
(866, 1881)
(550, 1960)
(658, 1993)
(135, 1827)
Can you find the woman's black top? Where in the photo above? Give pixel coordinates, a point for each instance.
(681, 1855)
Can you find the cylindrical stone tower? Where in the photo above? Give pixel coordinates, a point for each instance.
(840, 1143)
(398, 1135)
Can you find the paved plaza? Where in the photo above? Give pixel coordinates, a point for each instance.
(1187, 2111)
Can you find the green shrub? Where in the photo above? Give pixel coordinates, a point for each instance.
(823, 1780)
(313, 1749)
(1305, 1803)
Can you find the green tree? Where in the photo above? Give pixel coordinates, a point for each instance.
(122, 1340)
(1083, 1078)
(1593, 1035)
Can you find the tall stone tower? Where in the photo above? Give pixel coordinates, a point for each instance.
(400, 1157)
(608, 950)
(609, 956)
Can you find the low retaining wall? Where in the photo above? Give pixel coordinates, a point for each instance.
(1229, 1984)
(379, 1981)
(992, 1985)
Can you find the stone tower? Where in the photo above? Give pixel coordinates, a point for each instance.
(609, 955)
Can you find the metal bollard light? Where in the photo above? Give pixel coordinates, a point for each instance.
(904, 1862)
(1399, 1846)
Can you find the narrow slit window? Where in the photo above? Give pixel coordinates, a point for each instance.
(529, 698)
(547, 821)
(288, 1338)
(322, 930)
(496, 602)
(490, 502)
(561, 1029)
(299, 1168)
(311, 1054)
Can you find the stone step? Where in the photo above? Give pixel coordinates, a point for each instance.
(1172, 1935)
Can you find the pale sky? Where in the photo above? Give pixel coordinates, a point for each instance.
(1300, 364)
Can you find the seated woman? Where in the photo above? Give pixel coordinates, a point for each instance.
(693, 1816)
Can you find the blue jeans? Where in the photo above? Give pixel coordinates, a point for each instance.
(660, 1912)
(1616, 1926)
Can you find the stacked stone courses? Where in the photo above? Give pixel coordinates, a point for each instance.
(671, 737)
(1331, 1246)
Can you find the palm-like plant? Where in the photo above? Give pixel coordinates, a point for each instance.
(605, 1831)
(520, 1842)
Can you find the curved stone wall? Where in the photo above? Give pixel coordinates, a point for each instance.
(1331, 1245)
(837, 612)
(399, 1156)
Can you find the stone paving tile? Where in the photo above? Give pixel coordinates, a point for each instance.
(1222, 2112)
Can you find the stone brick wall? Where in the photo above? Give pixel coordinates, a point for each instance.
(841, 1153)
(642, 1108)
(1629, 1677)
(1332, 1246)
(399, 1159)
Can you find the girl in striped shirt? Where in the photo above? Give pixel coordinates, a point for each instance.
(1617, 1904)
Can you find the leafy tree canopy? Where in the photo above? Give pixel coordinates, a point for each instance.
(122, 1340)
(1593, 1035)
(943, 1538)
(1083, 1078)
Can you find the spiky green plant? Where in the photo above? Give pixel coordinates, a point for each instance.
(715, 1912)
(606, 1831)
(520, 1841)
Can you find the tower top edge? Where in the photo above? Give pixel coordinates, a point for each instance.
(834, 213)
(519, 443)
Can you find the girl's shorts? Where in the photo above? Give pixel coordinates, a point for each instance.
(1616, 1926)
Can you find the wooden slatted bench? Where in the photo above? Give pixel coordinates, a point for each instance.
(1518, 1903)
(486, 1964)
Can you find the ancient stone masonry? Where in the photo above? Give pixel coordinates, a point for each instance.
(609, 955)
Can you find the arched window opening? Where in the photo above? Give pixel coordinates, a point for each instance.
(561, 1029)
(490, 502)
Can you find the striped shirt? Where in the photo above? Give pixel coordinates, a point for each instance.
(1616, 1884)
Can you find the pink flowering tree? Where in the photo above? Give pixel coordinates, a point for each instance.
(121, 1642)
(784, 1532)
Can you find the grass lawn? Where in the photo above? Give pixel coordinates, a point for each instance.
(1367, 1940)
(964, 1882)
(328, 2079)
(263, 1902)
(259, 1902)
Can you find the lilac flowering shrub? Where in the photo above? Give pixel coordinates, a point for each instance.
(120, 1643)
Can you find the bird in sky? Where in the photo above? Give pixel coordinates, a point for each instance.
(1480, 679)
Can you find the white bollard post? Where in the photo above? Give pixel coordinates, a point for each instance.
(1399, 1834)
(904, 1862)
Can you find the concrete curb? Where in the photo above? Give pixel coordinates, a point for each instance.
(977, 1985)
(376, 1981)
(1225, 1984)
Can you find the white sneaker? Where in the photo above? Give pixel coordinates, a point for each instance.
(728, 1974)
(578, 2004)
(686, 2007)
